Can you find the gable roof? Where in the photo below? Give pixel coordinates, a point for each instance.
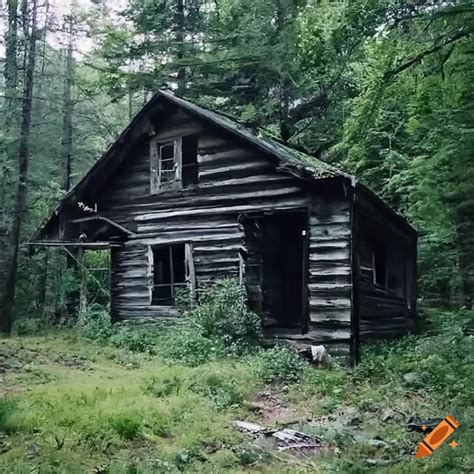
(315, 167)
(295, 161)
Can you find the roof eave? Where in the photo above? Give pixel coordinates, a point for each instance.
(399, 218)
(299, 169)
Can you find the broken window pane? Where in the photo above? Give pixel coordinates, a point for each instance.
(189, 160)
(169, 273)
(167, 163)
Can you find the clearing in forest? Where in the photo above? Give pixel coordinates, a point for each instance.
(70, 405)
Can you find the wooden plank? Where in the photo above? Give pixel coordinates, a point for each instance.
(288, 203)
(84, 245)
(333, 318)
(191, 272)
(154, 166)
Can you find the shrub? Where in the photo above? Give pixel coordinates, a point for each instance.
(279, 364)
(7, 407)
(223, 314)
(190, 347)
(95, 323)
(219, 389)
(183, 300)
(126, 426)
(221, 325)
(134, 339)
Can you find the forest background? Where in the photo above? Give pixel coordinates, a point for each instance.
(380, 88)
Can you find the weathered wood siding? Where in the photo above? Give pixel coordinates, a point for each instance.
(233, 179)
(382, 313)
(330, 272)
(238, 183)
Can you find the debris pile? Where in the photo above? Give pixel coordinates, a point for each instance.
(284, 439)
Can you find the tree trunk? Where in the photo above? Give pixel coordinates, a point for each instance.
(11, 66)
(71, 305)
(20, 208)
(83, 282)
(9, 108)
(179, 27)
(68, 107)
(286, 126)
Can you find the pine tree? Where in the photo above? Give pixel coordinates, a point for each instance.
(20, 205)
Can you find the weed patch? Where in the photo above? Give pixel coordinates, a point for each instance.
(127, 426)
(223, 314)
(221, 325)
(7, 408)
(189, 347)
(219, 389)
(134, 339)
(163, 387)
(426, 363)
(279, 364)
(95, 324)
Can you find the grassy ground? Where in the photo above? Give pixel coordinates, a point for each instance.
(68, 405)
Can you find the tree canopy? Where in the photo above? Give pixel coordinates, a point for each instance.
(381, 88)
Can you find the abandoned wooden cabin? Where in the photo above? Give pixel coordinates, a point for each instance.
(185, 197)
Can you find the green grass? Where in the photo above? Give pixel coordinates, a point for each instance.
(68, 405)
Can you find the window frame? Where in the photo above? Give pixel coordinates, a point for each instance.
(157, 183)
(382, 254)
(190, 277)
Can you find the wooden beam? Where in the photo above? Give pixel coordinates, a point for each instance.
(83, 282)
(191, 272)
(85, 245)
(104, 219)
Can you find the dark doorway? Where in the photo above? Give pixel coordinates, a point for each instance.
(275, 267)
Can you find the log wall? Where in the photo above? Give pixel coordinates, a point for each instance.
(330, 272)
(233, 179)
(381, 312)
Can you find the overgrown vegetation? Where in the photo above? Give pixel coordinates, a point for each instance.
(441, 364)
(221, 325)
(280, 364)
(73, 405)
(222, 314)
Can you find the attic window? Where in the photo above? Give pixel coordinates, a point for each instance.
(173, 164)
(167, 163)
